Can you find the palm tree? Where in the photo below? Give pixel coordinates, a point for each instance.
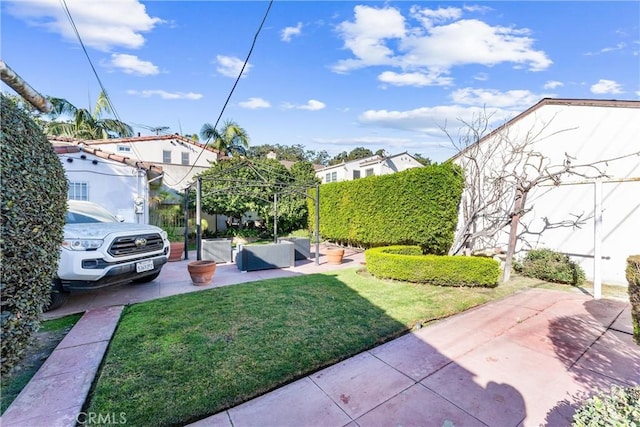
(231, 139)
(84, 124)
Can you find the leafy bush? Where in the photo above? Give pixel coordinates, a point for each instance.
(551, 266)
(616, 407)
(407, 263)
(633, 277)
(418, 206)
(33, 206)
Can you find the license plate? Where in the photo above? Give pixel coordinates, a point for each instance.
(144, 266)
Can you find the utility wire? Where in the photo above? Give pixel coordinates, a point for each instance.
(215, 126)
(93, 68)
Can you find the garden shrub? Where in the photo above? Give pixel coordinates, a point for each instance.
(33, 206)
(407, 263)
(616, 407)
(551, 266)
(418, 206)
(633, 277)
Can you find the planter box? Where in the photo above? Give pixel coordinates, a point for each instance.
(302, 246)
(218, 250)
(266, 256)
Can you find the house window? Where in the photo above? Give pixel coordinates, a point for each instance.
(368, 172)
(356, 174)
(185, 158)
(124, 149)
(78, 191)
(334, 176)
(327, 178)
(166, 156)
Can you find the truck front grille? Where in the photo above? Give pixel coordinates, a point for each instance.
(131, 245)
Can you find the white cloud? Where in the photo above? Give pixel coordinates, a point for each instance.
(131, 64)
(165, 95)
(289, 32)
(231, 66)
(311, 105)
(606, 87)
(553, 84)
(101, 25)
(608, 49)
(414, 79)
(254, 103)
(483, 77)
(438, 41)
(511, 99)
(365, 37)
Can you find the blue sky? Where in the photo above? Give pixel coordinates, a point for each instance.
(330, 75)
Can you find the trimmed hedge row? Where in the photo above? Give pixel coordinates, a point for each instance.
(407, 263)
(551, 266)
(33, 206)
(418, 206)
(633, 277)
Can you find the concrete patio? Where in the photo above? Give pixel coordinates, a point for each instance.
(525, 360)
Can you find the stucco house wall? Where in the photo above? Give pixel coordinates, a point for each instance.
(361, 168)
(180, 158)
(119, 187)
(562, 216)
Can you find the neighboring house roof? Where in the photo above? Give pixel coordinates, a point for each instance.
(151, 138)
(366, 161)
(67, 145)
(555, 101)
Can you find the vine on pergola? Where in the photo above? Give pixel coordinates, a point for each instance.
(235, 186)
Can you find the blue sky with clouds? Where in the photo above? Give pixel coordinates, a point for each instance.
(330, 75)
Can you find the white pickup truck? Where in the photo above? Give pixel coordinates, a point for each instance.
(99, 250)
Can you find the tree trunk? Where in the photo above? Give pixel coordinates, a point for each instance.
(513, 234)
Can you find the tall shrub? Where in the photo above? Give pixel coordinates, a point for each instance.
(33, 205)
(552, 266)
(633, 277)
(415, 207)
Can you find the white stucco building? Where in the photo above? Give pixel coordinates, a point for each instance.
(593, 216)
(119, 184)
(360, 168)
(180, 158)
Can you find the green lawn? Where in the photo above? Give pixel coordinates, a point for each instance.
(179, 359)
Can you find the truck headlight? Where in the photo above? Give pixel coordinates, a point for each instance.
(82, 244)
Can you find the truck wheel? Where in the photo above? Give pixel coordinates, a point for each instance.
(57, 297)
(147, 279)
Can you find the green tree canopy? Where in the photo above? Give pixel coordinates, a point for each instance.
(231, 139)
(68, 120)
(294, 153)
(235, 186)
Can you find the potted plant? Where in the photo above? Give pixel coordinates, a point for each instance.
(334, 255)
(176, 241)
(201, 272)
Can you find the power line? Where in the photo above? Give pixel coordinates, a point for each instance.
(93, 68)
(215, 126)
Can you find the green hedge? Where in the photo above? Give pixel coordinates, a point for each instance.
(34, 202)
(551, 266)
(615, 407)
(407, 263)
(633, 277)
(418, 206)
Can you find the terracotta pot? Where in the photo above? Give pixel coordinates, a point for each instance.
(334, 255)
(177, 251)
(201, 271)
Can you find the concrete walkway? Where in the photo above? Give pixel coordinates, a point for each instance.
(521, 361)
